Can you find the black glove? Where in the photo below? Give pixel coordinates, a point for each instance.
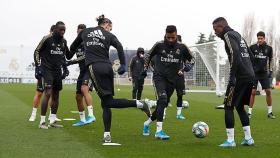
(270, 74)
(39, 72)
(187, 67)
(65, 72)
(121, 69)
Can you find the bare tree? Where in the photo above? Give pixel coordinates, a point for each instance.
(249, 28)
(271, 33)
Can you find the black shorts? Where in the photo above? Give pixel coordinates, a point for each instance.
(264, 81)
(83, 79)
(40, 85)
(102, 76)
(53, 79)
(163, 85)
(180, 86)
(240, 94)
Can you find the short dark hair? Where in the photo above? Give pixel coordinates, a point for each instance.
(220, 19)
(102, 20)
(140, 49)
(171, 29)
(52, 28)
(82, 26)
(59, 23)
(261, 33)
(179, 38)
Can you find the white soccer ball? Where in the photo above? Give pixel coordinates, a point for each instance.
(219, 94)
(151, 103)
(200, 129)
(185, 104)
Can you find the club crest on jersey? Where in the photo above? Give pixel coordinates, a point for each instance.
(163, 52)
(242, 43)
(53, 44)
(178, 51)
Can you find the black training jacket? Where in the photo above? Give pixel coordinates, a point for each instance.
(263, 58)
(239, 55)
(136, 66)
(51, 53)
(97, 42)
(168, 59)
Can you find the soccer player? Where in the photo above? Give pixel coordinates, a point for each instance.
(39, 92)
(97, 41)
(49, 58)
(135, 68)
(240, 81)
(169, 55)
(263, 65)
(180, 91)
(84, 85)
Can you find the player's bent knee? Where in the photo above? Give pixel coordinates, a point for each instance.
(85, 89)
(268, 92)
(162, 99)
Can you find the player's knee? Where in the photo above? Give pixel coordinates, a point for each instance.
(162, 99)
(230, 108)
(253, 92)
(48, 92)
(84, 89)
(268, 92)
(39, 94)
(106, 101)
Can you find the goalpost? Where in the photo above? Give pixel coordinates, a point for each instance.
(211, 70)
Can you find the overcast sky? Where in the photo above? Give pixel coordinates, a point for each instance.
(135, 23)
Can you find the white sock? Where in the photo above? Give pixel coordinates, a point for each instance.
(247, 132)
(148, 122)
(250, 110)
(179, 110)
(52, 118)
(230, 134)
(34, 111)
(90, 110)
(82, 116)
(43, 119)
(139, 104)
(159, 126)
(269, 109)
(106, 134)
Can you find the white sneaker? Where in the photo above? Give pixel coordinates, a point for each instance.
(55, 125)
(107, 139)
(32, 118)
(43, 126)
(56, 119)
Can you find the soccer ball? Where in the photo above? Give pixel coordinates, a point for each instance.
(200, 129)
(151, 103)
(185, 104)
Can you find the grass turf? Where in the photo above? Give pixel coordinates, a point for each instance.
(20, 138)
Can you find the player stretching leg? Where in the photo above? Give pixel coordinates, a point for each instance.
(97, 41)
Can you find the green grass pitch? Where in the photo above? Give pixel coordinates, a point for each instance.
(20, 138)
